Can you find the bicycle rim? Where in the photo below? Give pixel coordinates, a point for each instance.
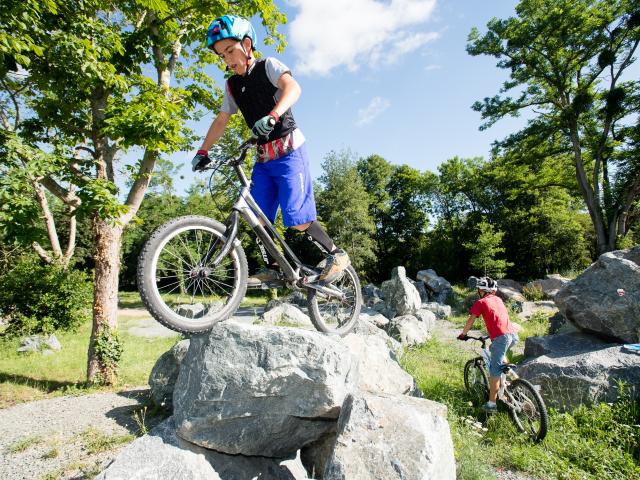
(182, 289)
(476, 380)
(527, 409)
(335, 315)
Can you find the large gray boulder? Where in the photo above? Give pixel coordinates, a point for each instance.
(422, 290)
(578, 368)
(510, 284)
(439, 288)
(550, 285)
(162, 455)
(512, 296)
(366, 328)
(285, 314)
(378, 367)
(382, 437)
(268, 391)
(401, 296)
(373, 316)
(409, 330)
(427, 317)
(441, 311)
(165, 373)
(592, 301)
(529, 309)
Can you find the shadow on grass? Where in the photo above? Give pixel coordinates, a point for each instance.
(141, 418)
(47, 386)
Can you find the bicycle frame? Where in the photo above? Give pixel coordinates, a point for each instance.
(503, 394)
(247, 208)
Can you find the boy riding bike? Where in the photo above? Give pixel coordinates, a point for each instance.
(264, 91)
(501, 331)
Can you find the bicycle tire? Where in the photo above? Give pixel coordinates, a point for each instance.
(332, 315)
(476, 380)
(219, 289)
(531, 417)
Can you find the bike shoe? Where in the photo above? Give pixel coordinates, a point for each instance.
(264, 276)
(333, 266)
(490, 408)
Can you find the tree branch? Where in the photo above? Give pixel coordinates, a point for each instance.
(68, 197)
(16, 121)
(41, 252)
(5, 120)
(73, 167)
(139, 187)
(87, 149)
(71, 245)
(48, 219)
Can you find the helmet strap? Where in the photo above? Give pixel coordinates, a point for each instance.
(247, 55)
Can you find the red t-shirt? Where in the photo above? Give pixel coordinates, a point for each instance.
(494, 314)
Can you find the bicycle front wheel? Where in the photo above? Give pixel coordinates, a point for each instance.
(528, 410)
(476, 380)
(333, 314)
(177, 282)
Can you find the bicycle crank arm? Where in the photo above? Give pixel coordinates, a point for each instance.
(325, 290)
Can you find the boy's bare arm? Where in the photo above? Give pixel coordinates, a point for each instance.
(467, 326)
(215, 130)
(290, 93)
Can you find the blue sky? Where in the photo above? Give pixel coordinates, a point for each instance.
(391, 78)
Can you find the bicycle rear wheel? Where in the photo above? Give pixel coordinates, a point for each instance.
(177, 282)
(476, 380)
(332, 314)
(528, 410)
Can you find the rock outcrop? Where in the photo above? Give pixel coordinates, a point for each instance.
(578, 368)
(605, 298)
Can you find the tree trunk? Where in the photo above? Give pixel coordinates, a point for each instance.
(107, 240)
(588, 194)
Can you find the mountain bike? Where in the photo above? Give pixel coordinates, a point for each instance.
(192, 272)
(525, 404)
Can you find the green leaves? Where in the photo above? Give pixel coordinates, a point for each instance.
(153, 118)
(159, 6)
(567, 58)
(486, 247)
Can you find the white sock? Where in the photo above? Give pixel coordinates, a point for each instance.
(491, 404)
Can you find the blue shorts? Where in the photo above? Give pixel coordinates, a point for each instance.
(499, 347)
(285, 182)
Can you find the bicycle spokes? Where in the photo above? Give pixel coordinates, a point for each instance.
(476, 380)
(335, 307)
(527, 410)
(185, 279)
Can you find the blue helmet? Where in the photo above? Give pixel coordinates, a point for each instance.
(230, 26)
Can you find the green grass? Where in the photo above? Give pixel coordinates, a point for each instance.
(254, 298)
(600, 443)
(33, 376)
(96, 441)
(27, 377)
(24, 443)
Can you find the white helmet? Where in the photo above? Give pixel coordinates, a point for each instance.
(487, 284)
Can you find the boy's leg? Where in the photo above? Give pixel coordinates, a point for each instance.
(498, 349)
(264, 190)
(295, 192)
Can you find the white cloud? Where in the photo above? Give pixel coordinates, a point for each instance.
(351, 33)
(376, 106)
(433, 66)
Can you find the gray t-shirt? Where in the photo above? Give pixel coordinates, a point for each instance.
(274, 68)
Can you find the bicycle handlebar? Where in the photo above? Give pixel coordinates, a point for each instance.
(242, 149)
(481, 338)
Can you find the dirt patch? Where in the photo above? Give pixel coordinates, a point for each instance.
(69, 437)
